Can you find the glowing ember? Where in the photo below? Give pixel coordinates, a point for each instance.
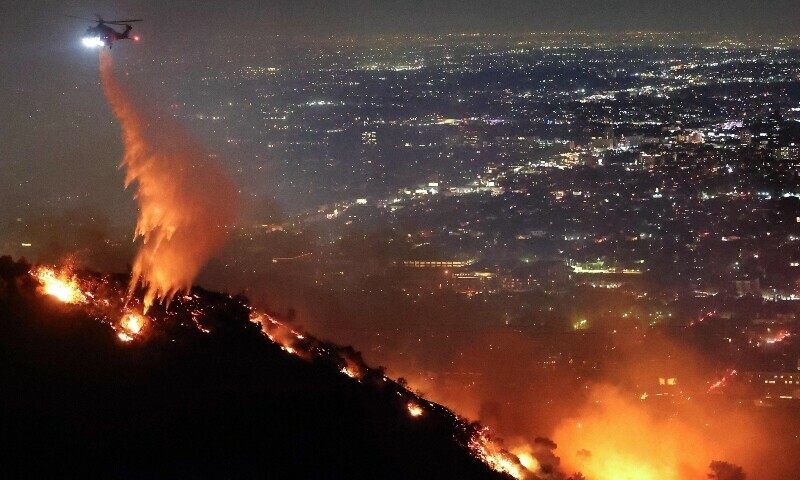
(131, 326)
(414, 410)
(65, 286)
(703, 318)
(279, 333)
(124, 337)
(779, 337)
(722, 381)
(60, 284)
(484, 448)
(480, 444)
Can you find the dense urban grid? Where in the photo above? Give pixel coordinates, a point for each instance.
(567, 186)
(661, 169)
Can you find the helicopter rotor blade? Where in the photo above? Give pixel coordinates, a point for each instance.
(122, 22)
(81, 18)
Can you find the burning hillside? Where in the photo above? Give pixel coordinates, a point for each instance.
(189, 386)
(208, 384)
(147, 377)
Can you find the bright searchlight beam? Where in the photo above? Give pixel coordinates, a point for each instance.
(92, 42)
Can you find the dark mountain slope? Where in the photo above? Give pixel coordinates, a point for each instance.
(185, 404)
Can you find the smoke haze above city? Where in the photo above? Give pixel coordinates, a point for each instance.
(577, 222)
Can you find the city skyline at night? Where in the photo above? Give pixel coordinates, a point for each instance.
(544, 240)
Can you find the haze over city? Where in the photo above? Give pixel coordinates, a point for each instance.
(575, 223)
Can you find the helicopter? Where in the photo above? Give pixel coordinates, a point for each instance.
(101, 34)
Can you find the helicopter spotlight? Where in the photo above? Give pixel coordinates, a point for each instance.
(92, 42)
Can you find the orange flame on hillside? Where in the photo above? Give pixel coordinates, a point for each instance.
(62, 285)
(527, 459)
(414, 410)
(484, 447)
(722, 381)
(65, 286)
(185, 203)
(99, 298)
(131, 326)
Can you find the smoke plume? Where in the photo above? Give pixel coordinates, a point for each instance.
(185, 202)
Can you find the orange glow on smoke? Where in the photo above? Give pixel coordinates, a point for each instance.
(185, 203)
(616, 439)
(61, 284)
(527, 460)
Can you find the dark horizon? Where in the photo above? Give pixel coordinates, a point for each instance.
(363, 17)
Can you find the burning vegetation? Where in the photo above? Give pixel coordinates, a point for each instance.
(105, 300)
(123, 315)
(131, 326)
(611, 437)
(483, 446)
(415, 410)
(62, 285)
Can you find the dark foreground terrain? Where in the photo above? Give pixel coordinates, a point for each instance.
(185, 404)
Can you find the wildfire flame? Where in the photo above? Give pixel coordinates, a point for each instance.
(779, 337)
(62, 285)
(279, 333)
(131, 326)
(722, 381)
(617, 439)
(99, 298)
(414, 410)
(185, 203)
(527, 460)
(487, 450)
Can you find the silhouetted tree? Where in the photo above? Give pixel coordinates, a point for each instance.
(725, 471)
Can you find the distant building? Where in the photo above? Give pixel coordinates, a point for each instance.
(369, 138)
(747, 286)
(473, 282)
(746, 137)
(690, 137)
(774, 385)
(789, 152)
(471, 138)
(600, 143)
(437, 263)
(536, 275)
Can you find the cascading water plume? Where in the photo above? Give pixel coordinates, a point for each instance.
(186, 204)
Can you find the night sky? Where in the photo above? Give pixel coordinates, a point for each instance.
(47, 78)
(22, 19)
